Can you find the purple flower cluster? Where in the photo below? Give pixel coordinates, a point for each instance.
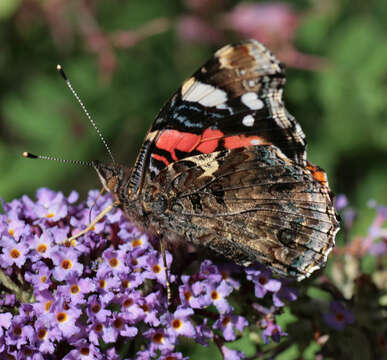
(91, 299)
(339, 316)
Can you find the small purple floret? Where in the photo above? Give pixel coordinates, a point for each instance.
(339, 316)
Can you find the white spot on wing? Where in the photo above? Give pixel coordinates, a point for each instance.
(224, 106)
(204, 94)
(248, 120)
(252, 101)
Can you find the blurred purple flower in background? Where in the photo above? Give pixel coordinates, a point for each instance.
(266, 21)
(375, 242)
(195, 29)
(272, 23)
(377, 231)
(339, 316)
(199, 25)
(341, 202)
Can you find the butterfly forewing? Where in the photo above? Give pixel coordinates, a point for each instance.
(232, 101)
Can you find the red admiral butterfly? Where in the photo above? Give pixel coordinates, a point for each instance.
(224, 166)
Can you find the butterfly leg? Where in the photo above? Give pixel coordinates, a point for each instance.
(168, 284)
(71, 240)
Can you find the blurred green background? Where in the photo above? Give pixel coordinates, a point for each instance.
(126, 58)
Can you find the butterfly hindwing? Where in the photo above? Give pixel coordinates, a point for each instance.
(247, 204)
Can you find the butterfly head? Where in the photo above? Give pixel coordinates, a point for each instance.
(111, 175)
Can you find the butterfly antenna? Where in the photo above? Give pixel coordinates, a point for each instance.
(68, 83)
(44, 157)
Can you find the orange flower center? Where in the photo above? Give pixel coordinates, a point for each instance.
(15, 253)
(67, 264)
(226, 321)
(113, 262)
(156, 268)
(74, 289)
(214, 295)
(187, 295)
(158, 338)
(42, 248)
(84, 351)
(61, 317)
(47, 305)
(42, 333)
(177, 324)
(136, 242)
(125, 284)
(118, 323)
(96, 308)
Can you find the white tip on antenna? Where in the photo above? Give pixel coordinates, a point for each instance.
(44, 157)
(68, 83)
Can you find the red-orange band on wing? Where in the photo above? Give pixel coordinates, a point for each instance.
(318, 173)
(207, 142)
(160, 158)
(237, 141)
(170, 140)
